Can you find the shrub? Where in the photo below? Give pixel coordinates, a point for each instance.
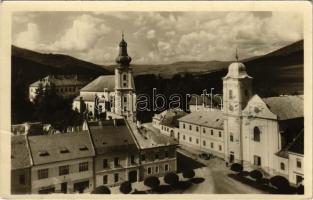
(189, 173)
(101, 190)
(171, 178)
(236, 167)
(256, 174)
(126, 187)
(280, 182)
(152, 182)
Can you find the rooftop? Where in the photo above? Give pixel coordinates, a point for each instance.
(286, 107)
(212, 118)
(170, 117)
(109, 136)
(296, 146)
(100, 83)
(59, 81)
(60, 147)
(20, 155)
(88, 97)
(147, 138)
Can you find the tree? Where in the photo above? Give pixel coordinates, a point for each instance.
(126, 187)
(190, 173)
(101, 190)
(171, 178)
(152, 182)
(256, 174)
(281, 183)
(236, 167)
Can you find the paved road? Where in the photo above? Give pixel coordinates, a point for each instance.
(216, 180)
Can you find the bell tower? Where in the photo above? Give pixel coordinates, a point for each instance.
(237, 90)
(125, 97)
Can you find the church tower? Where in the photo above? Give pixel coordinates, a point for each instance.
(237, 90)
(125, 97)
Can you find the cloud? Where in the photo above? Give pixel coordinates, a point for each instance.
(82, 35)
(28, 38)
(151, 34)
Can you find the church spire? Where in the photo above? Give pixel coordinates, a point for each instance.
(123, 59)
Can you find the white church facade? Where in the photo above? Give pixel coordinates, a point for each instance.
(260, 133)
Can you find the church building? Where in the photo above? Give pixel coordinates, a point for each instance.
(111, 93)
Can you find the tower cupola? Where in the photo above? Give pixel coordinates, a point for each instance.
(123, 59)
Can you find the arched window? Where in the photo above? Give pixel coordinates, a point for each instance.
(124, 77)
(282, 166)
(256, 134)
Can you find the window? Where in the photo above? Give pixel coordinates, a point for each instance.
(197, 128)
(299, 163)
(190, 127)
(143, 157)
(184, 137)
(149, 170)
(230, 94)
(184, 126)
(132, 159)
(282, 166)
(197, 141)
(231, 137)
(124, 85)
(203, 130)
(156, 169)
(166, 167)
(116, 177)
(105, 179)
(166, 154)
(256, 134)
(63, 170)
(190, 139)
(83, 166)
(220, 147)
(21, 179)
(257, 160)
(124, 77)
(219, 134)
(116, 162)
(212, 145)
(212, 132)
(105, 163)
(125, 99)
(42, 173)
(204, 143)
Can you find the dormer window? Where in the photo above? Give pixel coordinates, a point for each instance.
(64, 150)
(44, 153)
(83, 148)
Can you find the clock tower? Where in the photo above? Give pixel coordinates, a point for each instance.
(125, 97)
(237, 90)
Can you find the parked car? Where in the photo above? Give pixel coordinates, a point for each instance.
(204, 156)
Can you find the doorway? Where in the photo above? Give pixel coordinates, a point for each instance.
(64, 187)
(231, 157)
(132, 176)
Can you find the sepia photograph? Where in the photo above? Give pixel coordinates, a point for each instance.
(159, 102)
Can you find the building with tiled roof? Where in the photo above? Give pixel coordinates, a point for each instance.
(64, 85)
(62, 163)
(21, 163)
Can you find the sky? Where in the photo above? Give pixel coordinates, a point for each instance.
(156, 37)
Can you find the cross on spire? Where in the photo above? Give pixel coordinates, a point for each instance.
(236, 55)
(123, 35)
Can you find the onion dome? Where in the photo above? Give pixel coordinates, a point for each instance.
(237, 70)
(123, 59)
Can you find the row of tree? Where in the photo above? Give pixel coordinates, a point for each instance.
(152, 182)
(279, 182)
